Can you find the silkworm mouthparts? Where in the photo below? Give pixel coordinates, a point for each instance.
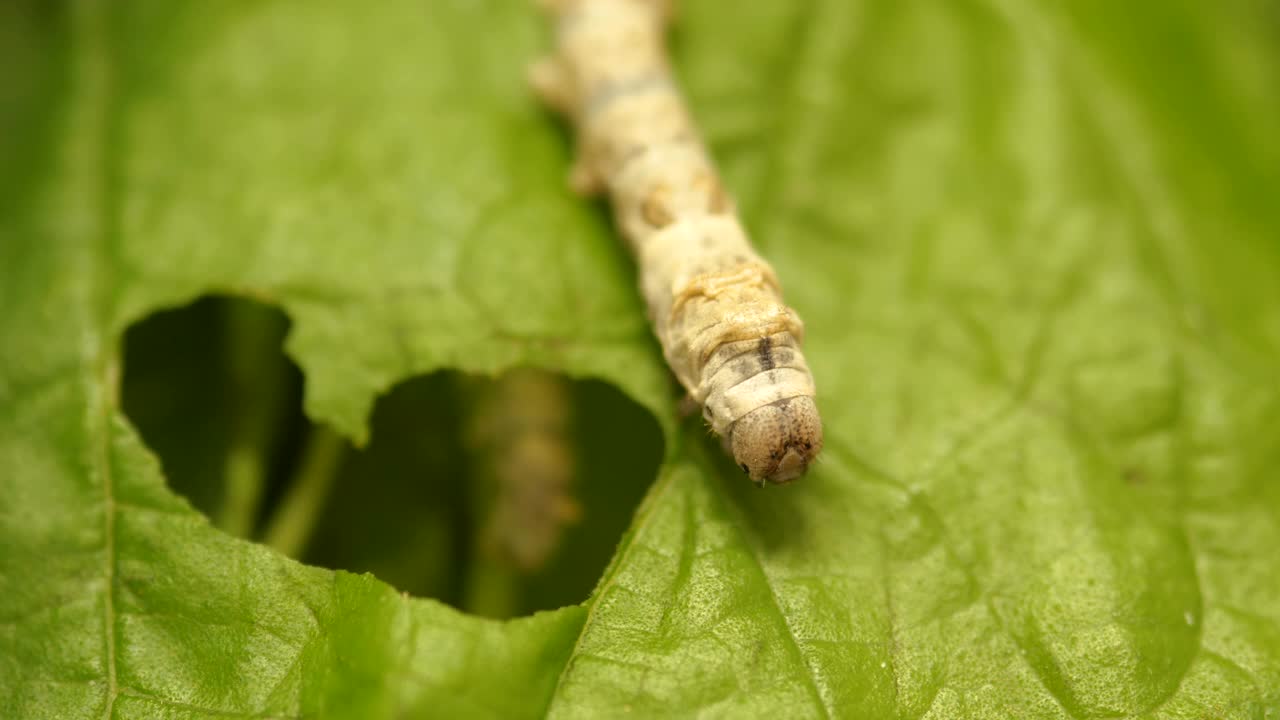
(776, 443)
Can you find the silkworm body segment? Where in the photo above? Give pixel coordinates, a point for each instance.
(716, 306)
(519, 433)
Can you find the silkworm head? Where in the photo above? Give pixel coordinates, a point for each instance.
(776, 443)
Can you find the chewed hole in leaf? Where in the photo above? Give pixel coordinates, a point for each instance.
(499, 496)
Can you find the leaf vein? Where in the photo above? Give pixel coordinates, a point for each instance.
(779, 615)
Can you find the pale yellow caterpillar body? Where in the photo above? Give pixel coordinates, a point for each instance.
(519, 434)
(716, 306)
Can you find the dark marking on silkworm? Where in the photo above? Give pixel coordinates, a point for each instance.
(765, 351)
(607, 94)
(655, 208)
(633, 153)
(747, 366)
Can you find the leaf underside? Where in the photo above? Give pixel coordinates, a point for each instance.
(1034, 245)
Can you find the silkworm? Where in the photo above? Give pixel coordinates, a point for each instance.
(519, 437)
(715, 304)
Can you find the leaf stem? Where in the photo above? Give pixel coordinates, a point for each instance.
(289, 529)
(258, 378)
(492, 589)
